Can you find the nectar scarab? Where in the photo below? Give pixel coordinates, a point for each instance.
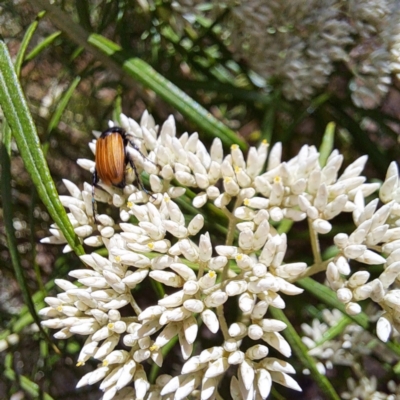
(111, 160)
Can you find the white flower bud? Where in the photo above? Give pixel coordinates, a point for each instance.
(362, 292)
(235, 288)
(189, 250)
(259, 309)
(246, 239)
(237, 329)
(131, 280)
(222, 200)
(353, 308)
(259, 270)
(193, 305)
(93, 241)
(213, 192)
(226, 251)
(200, 200)
(216, 368)
(343, 266)
(256, 202)
(244, 213)
(151, 312)
(185, 178)
(167, 278)
(208, 280)
(257, 352)
(371, 258)
(344, 295)
(191, 287)
(244, 261)
(210, 320)
(264, 382)
(176, 314)
(215, 299)
(358, 278)
(322, 226)
(93, 377)
(247, 373)
(167, 172)
(383, 328)
(231, 345)
(230, 186)
(354, 251)
(196, 224)
(173, 300)
(141, 383)
(277, 341)
(190, 329)
(205, 248)
(392, 298)
(276, 214)
(387, 189)
(272, 325)
(255, 332)
(246, 302)
(217, 263)
(236, 358)
(184, 271)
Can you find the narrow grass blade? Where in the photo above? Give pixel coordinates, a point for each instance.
(328, 297)
(23, 128)
(327, 143)
(150, 78)
(62, 104)
(25, 42)
(302, 353)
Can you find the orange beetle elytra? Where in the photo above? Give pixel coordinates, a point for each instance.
(111, 159)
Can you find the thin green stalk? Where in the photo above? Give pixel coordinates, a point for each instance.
(314, 243)
(302, 353)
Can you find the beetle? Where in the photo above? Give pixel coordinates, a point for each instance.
(111, 160)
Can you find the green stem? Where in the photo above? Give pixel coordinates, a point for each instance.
(314, 243)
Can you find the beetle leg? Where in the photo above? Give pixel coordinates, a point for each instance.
(94, 183)
(132, 164)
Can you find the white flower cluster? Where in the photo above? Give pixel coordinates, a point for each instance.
(297, 43)
(367, 389)
(202, 271)
(352, 348)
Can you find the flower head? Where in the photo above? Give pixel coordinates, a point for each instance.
(203, 265)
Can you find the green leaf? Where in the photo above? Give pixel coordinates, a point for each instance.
(150, 78)
(62, 104)
(5, 190)
(30, 387)
(23, 128)
(302, 353)
(25, 42)
(327, 143)
(42, 45)
(113, 57)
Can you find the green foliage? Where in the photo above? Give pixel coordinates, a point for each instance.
(73, 61)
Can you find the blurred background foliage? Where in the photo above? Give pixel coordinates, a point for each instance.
(75, 81)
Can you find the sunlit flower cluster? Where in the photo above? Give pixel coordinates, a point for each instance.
(221, 251)
(297, 43)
